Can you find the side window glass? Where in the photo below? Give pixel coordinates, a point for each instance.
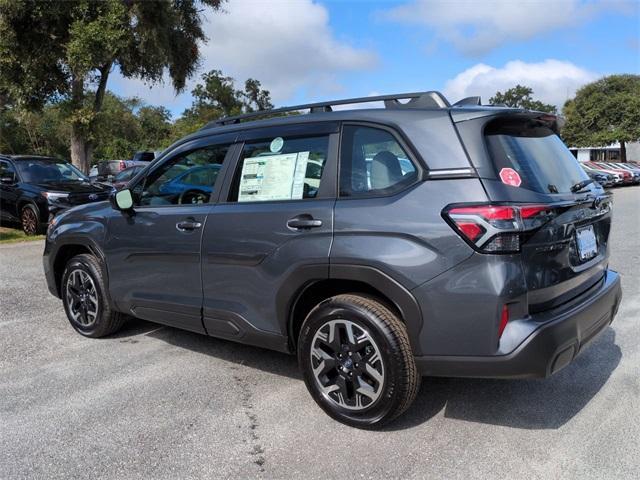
(372, 162)
(7, 172)
(288, 168)
(187, 178)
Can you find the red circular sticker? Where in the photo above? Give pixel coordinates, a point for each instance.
(510, 177)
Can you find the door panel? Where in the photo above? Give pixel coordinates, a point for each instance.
(154, 268)
(258, 251)
(8, 193)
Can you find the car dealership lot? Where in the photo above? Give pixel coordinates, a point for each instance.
(156, 402)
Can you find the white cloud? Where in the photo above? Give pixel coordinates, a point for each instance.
(476, 27)
(287, 45)
(552, 81)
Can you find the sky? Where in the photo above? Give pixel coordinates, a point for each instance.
(313, 50)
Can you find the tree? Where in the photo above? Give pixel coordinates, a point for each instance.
(521, 97)
(61, 51)
(604, 112)
(217, 97)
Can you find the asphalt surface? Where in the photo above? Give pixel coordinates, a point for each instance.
(156, 402)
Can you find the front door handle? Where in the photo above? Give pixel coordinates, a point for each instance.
(303, 222)
(188, 225)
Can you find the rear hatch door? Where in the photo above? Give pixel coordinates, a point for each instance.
(525, 162)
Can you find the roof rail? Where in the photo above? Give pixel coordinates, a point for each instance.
(416, 100)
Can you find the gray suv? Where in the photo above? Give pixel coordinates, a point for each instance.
(378, 245)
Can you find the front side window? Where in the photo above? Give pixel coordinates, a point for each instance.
(278, 168)
(187, 178)
(372, 162)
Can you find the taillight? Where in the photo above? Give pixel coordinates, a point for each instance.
(504, 319)
(496, 228)
(123, 165)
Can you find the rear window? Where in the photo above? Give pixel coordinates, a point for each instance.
(536, 153)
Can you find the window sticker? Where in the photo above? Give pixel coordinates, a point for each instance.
(276, 144)
(273, 177)
(510, 177)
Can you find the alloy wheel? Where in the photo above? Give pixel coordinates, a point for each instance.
(29, 221)
(347, 365)
(82, 298)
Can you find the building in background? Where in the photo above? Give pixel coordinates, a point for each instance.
(609, 153)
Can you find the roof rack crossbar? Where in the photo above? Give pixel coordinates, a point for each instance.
(416, 100)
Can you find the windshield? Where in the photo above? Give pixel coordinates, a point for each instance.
(38, 170)
(542, 161)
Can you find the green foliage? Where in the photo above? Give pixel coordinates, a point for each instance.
(217, 97)
(604, 112)
(521, 97)
(52, 50)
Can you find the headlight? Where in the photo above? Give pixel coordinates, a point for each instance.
(55, 196)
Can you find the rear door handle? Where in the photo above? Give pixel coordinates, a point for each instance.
(303, 222)
(188, 225)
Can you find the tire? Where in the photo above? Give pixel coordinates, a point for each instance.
(30, 220)
(85, 298)
(366, 382)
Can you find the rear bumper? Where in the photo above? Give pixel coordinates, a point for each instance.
(561, 336)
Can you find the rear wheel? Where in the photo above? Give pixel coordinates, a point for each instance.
(84, 296)
(356, 360)
(30, 222)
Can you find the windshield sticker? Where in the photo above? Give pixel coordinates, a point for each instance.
(510, 177)
(276, 144)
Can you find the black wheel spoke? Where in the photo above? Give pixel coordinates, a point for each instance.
(340, 357)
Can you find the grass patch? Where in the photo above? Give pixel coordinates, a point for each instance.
(12, 235)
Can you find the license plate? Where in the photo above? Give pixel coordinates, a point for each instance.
(587, 244)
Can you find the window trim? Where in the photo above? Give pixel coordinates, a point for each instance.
(416, 161)
(328, 186)
(192, 145)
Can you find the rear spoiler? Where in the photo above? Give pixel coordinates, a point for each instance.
(550, 120)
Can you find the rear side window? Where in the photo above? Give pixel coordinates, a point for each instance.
(280, 168)
(543, 163)
(372, 162)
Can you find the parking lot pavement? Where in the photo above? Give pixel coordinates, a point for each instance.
(156, 402)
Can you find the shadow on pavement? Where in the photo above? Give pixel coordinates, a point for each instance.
(527, 404)
(253, 357)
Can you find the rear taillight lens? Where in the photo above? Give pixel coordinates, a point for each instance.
(123, 165)
(496, 228)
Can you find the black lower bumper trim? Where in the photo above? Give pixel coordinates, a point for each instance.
(548, 349)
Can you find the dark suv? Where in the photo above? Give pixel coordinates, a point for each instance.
(378, 245)
(35, 189)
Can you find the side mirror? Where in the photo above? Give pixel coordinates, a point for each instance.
(122, 200)
(8, 180)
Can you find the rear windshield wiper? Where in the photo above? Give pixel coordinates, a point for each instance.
(580, 185)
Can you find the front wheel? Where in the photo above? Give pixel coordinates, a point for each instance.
(30, 221)
(356, 360)
(84, 296)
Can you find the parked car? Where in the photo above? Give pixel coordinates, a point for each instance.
(472, 244)
(627, 177)
(35, 189)
(605, 180)
(635, 171)
(614, 179)
(122, 178)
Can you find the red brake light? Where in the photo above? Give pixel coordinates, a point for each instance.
(471, 230)
(489, 212)
(504, 319)
(497, 228)
(123, 165)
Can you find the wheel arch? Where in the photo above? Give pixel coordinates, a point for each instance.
(68, 249)
(355, 279)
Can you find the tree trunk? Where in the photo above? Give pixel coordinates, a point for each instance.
(623, 151)
(81, 150)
